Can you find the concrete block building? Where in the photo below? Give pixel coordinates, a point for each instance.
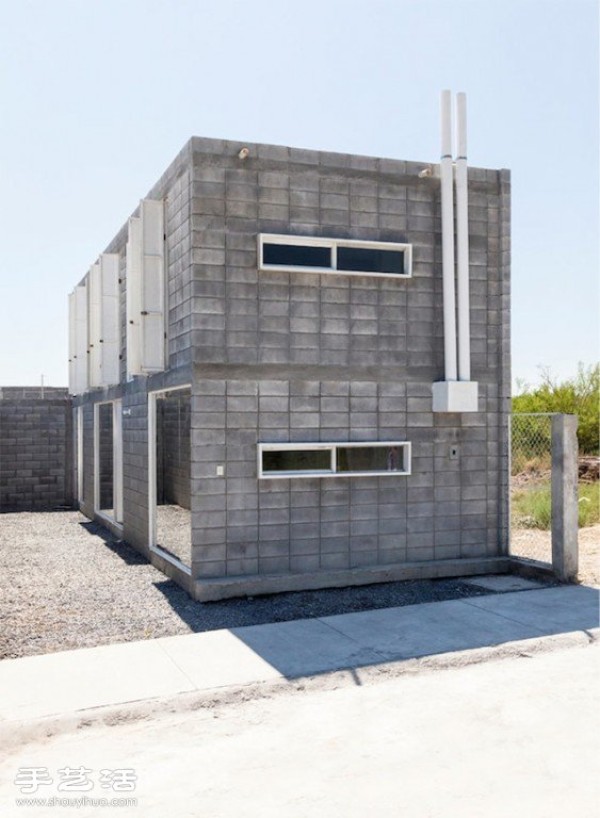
(253, 360)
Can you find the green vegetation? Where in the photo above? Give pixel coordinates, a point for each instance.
(531, 445)
(531, 506)
(577, 396)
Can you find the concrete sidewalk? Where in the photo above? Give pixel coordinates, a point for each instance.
(67, 683)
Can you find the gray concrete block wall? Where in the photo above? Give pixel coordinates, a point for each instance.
(135, 465)
(504, 359)
(344, 342)
(243, 317)
(445, 509)
(35, 445)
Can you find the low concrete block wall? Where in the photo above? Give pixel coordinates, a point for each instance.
(35, 448)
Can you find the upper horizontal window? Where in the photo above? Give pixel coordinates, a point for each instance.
(341, 256)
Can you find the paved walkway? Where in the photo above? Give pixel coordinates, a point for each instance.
(74, 681)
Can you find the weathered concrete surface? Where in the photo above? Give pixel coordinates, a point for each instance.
(519, 737)
(565, 512)
(82, 680)
(504, 583)
(553, 610)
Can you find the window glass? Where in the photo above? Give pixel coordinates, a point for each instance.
(369, 260)
(304, 460)
(369, 458)
(296, 255)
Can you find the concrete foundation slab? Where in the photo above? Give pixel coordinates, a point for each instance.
(422, 630)
(504, 583)
(553, 610)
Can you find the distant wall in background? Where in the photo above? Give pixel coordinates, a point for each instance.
(35, 448)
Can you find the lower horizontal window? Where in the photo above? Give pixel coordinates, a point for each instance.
(347, 459)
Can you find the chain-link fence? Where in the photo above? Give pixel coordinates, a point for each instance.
(530, 481)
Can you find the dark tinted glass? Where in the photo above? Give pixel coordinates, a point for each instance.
(370, 458)
(297, 461)
(296, 255)
(365, 260)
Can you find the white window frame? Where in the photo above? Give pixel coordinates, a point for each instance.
(117, 426)
(332, 447)
(333, 244)
(152, 478)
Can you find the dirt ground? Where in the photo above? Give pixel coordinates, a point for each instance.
(535, 544)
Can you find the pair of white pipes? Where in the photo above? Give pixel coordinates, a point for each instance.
(461, 369)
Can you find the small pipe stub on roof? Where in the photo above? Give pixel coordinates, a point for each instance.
(244, 153)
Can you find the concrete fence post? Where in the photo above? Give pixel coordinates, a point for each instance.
(564, 496)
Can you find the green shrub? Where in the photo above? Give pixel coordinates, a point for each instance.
(577, 396)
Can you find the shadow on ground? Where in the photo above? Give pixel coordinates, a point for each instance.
(128, 554)
(259, 610)
(309, 647)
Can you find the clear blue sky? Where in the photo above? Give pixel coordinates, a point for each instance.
(98, 96)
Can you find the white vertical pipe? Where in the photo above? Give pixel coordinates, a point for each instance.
(447, 195)
(462, 242)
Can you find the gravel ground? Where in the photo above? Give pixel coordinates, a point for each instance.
(174, 532)
(66, 583)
